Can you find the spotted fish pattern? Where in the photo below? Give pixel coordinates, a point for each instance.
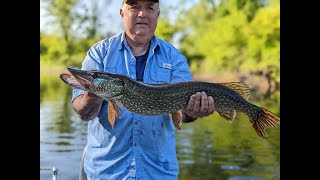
(171, 98)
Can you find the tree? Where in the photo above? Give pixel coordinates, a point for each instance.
(63, 18)
(234, 36)
(61, 10)
(92, 18)
(165, 30)
(263, 48)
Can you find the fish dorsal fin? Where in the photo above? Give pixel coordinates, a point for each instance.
(177, 119)
(240, 87)
(228, 115)
(113, 112)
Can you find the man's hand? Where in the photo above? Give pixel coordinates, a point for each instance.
(87, 105)
(200, 105)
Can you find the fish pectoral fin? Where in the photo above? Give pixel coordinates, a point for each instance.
(241, 88)
(113, 112)
(71, 81)
(177, 119)
(228, 115)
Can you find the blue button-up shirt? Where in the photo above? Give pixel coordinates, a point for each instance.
(138, 147)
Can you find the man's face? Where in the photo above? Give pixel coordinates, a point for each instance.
(140, 20)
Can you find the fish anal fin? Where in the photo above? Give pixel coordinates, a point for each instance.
(177, 119)
(241, 88)
(228, 115)
(113, 112)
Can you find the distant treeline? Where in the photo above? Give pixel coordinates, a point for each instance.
(215, 36)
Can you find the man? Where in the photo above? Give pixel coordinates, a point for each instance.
(137, 147)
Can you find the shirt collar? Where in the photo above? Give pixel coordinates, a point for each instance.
(123, 42)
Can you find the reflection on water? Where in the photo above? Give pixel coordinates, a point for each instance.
(62, 134)
(210, 148)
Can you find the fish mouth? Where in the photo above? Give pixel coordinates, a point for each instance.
(78, 78)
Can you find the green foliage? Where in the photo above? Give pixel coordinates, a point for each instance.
(54, 48)
(61, 10)
(248, 7)
(43, 47)
(196, 17)
(89, 21)
(192, 25)
(223, 43)
(64, 46)
(165, 30)
(233, 36)
(230, 36)
(263, 49)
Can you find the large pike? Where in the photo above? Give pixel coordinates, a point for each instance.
(170, 98)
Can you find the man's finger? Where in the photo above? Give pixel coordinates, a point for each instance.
(211, 105)
(204, 103)
(191, 103)
(196, 107)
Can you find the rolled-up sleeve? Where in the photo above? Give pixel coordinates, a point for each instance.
(92, 61)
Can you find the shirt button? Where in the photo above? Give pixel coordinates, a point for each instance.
(136, 122)
(135, 144)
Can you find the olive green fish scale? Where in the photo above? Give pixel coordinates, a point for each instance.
(169, 98)
(165, 98)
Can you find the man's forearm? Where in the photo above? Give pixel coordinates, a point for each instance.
(87, 106)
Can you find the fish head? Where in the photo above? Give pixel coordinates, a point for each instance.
(107, 87)
(103, 84)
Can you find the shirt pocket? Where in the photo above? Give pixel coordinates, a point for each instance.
(160, 74)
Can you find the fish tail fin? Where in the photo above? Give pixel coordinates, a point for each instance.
(264, 119)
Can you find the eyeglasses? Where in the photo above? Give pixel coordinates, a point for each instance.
(151, 9)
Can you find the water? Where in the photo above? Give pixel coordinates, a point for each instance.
(210, 148)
